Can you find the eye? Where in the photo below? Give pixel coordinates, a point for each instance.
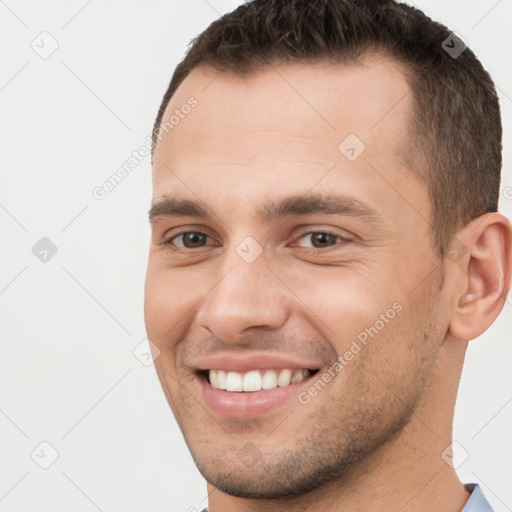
(320, 239)
(188, 239)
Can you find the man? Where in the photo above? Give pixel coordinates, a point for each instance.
(325, 242)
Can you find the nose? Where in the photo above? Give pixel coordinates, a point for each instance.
(248, 296)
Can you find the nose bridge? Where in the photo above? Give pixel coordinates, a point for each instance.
(246, 295)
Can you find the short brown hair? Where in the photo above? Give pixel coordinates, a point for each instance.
(455, 132)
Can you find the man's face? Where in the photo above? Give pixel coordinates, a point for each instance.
(313, 255)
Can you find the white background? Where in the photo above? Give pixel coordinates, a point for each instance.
(69, 326)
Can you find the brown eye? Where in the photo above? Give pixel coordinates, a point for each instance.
(189, 240)
(320, 239)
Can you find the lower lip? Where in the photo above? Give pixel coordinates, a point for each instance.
(249, 404)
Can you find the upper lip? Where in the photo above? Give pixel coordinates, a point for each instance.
(246, 362)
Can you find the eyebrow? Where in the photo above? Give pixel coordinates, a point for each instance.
(289, 206)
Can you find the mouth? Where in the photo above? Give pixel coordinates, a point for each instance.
(254, 392)
(255, 380)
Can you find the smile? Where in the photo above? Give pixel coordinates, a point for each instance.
(235, 385)
(256, 380)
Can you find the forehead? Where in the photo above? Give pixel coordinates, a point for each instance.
(285, 127)
(367, 97)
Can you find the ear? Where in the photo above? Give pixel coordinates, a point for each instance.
(482, 252)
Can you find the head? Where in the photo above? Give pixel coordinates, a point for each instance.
(454, 101)
(329, 204)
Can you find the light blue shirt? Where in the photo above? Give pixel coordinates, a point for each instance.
(476, 502)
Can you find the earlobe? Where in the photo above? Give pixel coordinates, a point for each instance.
(487, 267)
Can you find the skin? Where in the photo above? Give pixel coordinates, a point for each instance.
(373, 438)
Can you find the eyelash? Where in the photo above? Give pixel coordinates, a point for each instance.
(169, 242)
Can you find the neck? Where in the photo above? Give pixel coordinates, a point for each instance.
(407, 473)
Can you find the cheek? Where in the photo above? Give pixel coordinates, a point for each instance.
(170, 301)
(345, 305)
(165, 301)
(372, 327)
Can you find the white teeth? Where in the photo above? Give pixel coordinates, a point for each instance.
(269, 380)
(214, 380)
(255, 380)
(252, 381)
(284, 378)
(234, 381)
(297, 377)
(221, 379)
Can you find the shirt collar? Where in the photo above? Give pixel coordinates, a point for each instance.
(477, 501)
